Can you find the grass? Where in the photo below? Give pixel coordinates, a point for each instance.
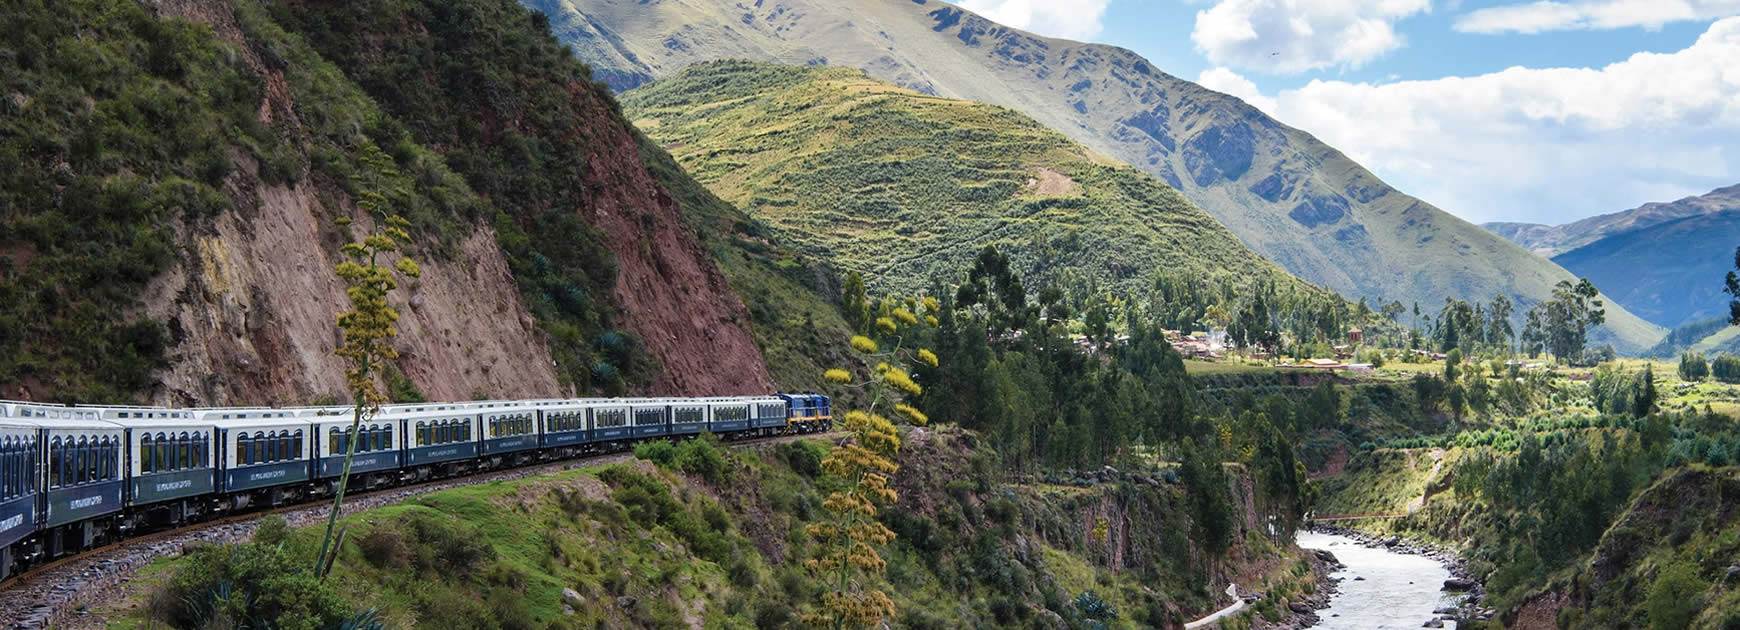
(908, 188)
(971, 552)
(1195, 366)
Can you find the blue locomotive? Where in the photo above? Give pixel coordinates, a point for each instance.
(75, 477)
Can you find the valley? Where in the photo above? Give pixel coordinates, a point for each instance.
(561, 314)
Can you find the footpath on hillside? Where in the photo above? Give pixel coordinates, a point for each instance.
(1237, 605)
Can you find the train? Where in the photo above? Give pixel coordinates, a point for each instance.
(77, 477)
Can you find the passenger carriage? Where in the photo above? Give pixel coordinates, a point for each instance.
(649, 417)
(771, 413)
(612, 420)
(728, 414)
(688, 416)
(565, 426)
(20, 483)
(509, 430)
(378, 447)
(437, 439)
(171, 468)
(263, 454)
(81, 474)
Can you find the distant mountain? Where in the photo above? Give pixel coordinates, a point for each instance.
(909, 187)
(1552, 240)
(1669, 273)
(1286, 195)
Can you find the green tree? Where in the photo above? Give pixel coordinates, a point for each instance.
(1498, 330)
(1693, 367)
(854, 304)
(1643, 401)
(1566, 318)
(1675, 597)
(368, 328)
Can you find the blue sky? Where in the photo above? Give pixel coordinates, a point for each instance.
(1529, 110)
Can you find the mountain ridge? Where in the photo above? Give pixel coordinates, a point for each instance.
(1553, 240)
(1298, 202)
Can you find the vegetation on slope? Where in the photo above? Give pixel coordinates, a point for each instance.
(115, 126)
(716, 538)
(907, 188)
(126, 136)
(519, 116)
(1599, 512)
(1285, 194)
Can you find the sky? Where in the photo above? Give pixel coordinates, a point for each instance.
(1543, 111)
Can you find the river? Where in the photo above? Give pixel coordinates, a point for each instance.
(1399, 590)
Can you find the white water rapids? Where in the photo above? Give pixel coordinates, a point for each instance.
(1399, 590)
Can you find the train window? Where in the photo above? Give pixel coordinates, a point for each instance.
(54, 463)
(77, 462)
(199, 450)
(186, 459)
(420, 439)
(296, 445)
(146, 464)
(243, 451)
(387, 437)
(332, 442)
(161, 454)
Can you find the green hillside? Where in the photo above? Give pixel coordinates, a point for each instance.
(1286, 195)
(907, 187)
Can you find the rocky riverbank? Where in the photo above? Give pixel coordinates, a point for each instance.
(1462, 580)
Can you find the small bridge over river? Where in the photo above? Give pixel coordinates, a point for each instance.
(1328, 518)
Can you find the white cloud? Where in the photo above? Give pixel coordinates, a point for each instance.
(1229, 82)
(1550, 15)
(1546, 145)
(1068, 19)
(1288, 36)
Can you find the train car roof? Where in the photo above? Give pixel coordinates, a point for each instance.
(138, 414)
(163, 423)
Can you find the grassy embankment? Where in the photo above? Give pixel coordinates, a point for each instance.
(716, 540)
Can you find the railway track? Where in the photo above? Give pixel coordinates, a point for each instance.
(55, 593)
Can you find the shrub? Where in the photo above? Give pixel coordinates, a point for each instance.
(250, 585)
(660, 452)
(1675, 597)
(703, 457)
(804, 457)
(446, 546)
(272, 530)
(385, 548)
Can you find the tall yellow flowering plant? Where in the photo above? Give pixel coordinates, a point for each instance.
(369, 326)
(851, 537)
